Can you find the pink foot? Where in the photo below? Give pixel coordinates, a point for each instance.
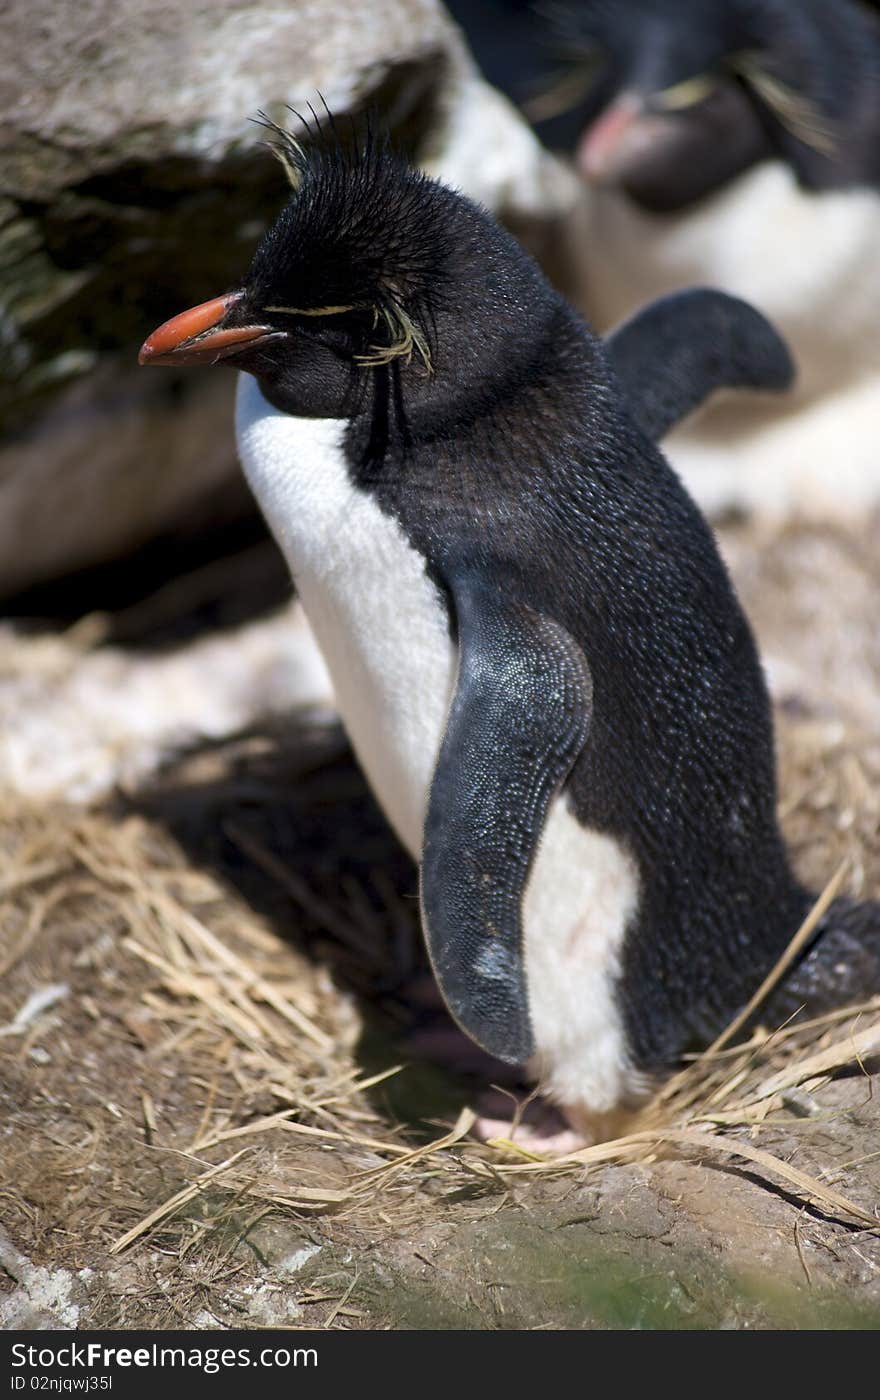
(507, 1110)
(532, 1124)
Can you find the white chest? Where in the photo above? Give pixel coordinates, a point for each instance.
(377, 616)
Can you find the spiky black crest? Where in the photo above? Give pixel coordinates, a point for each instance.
(363, 232)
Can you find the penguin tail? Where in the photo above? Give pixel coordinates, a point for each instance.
(678, 350)
(840, 967)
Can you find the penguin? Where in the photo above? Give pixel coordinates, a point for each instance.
(671, 101)
(737, 143)
(535, 647)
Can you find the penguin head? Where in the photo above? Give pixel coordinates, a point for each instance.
(368, 269)
(690, 93)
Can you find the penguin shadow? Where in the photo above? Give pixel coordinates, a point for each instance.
(282, 815)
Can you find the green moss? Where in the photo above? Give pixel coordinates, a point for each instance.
(516, 1271)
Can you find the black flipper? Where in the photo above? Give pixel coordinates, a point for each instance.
(518, 720)
(675, 352)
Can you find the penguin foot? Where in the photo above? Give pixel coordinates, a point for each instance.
(534, 1125)
(538, 1125)
(507, 1109)
(512, 1108)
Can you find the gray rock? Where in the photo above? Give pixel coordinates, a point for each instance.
(41, 1299)
(134, 185)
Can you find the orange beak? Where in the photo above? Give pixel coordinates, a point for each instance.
(196, 337)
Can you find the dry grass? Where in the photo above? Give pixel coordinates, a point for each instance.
(223, 1063)
(222, 990)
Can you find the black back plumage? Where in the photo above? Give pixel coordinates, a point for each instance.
(556, 496)
(509, 456)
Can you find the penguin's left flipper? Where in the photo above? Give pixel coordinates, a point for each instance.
(674, 353)
(518, 721)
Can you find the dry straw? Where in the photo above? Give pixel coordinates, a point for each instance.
(269, 1025)
(686, 1117)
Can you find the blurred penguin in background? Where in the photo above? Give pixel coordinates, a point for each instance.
(734, 143)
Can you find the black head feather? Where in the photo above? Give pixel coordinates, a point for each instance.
(372, 264)
(362, 237)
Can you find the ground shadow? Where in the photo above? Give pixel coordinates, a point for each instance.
(283, 815)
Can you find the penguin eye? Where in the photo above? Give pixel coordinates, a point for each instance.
(686, 94)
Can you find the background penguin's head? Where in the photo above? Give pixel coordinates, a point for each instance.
(371, 273)
(682, 95)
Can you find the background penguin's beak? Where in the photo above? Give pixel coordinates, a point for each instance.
(199, 336)
(622, 134)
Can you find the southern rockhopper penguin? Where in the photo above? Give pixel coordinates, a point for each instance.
(737, 143)
(536, 650)
(681, 96)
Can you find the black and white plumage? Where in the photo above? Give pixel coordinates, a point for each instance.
(671, 99)
(736, 143)
(717, 86)
(535, 648)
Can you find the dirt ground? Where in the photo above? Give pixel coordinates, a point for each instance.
(211, 1116)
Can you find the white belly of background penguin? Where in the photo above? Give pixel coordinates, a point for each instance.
(809, 262)
(536, 649)
(736, 144)
(384, 633)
